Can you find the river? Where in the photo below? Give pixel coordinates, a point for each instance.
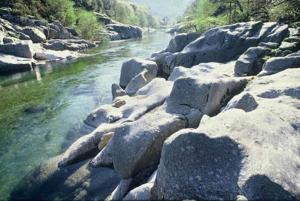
(39, 109)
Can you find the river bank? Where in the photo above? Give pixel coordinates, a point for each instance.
(224, 125)
(45, 107)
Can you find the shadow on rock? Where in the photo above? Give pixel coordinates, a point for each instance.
(260, 187)
(75, 182)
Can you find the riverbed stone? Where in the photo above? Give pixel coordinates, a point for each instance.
(133, 67)
(76, 182)
(277, 64)
(139, 81)
(21, 49)
(146, 99)
(117, 91)
(35, 34)
(251, 62)
(125, 31)
(241, 154)
(11, 64)
(68, 44)
(129, 157)
(225, 43)
(180, 41)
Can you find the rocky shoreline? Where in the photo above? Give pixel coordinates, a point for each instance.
(224, 125)
(26, 42)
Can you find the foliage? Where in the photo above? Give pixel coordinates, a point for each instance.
(204, 14)
(199, 16)
(87, 25)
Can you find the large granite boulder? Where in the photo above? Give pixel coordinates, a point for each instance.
(133, 67)
(180, 41)
(223, 44)
(10, 64)
(277, 64)
(108, 118)
(36, 35)
(125, 31)
(57, 31)
(21, 49)
(197, 93)
(68, 44)
(251, 154)
(137, 145)
(251, 62)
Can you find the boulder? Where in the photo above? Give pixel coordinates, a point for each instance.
(117, 91)
(202, 90)
(21, 49)
(24, 36)
(142, 192)
(180, 41)
(35, 34)
(277, 64)
(104, 157)
(133, 67)
(139, 81)
(224, 44)
(137, 145)
(58, 31)
(242, 154)
(125, 31)
(10, 65)
(121, 190)
(40, 56)
(8, 40)
(244, 101)
(251, 62)
(76, 182)
(68, 44)
(146, 99)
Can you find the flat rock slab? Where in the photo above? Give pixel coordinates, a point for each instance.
(10, 64)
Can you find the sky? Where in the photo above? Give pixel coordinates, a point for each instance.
(169, 8)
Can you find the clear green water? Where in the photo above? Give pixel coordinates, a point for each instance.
(39, 109)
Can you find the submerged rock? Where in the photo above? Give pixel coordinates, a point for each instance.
(76, 182)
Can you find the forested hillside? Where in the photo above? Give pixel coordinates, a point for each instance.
(80, 14)
(204, 14)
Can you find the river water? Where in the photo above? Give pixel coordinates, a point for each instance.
(39, 109)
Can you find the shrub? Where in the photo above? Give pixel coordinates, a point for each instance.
(87, 25)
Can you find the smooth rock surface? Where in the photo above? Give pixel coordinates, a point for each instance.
(277, 64)
(223, 44)
(22, 49)
(133, 67)
(244, 153)
(35, 34)
(250, 63)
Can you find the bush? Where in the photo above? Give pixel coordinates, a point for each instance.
(87, 25)
(199, 16)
